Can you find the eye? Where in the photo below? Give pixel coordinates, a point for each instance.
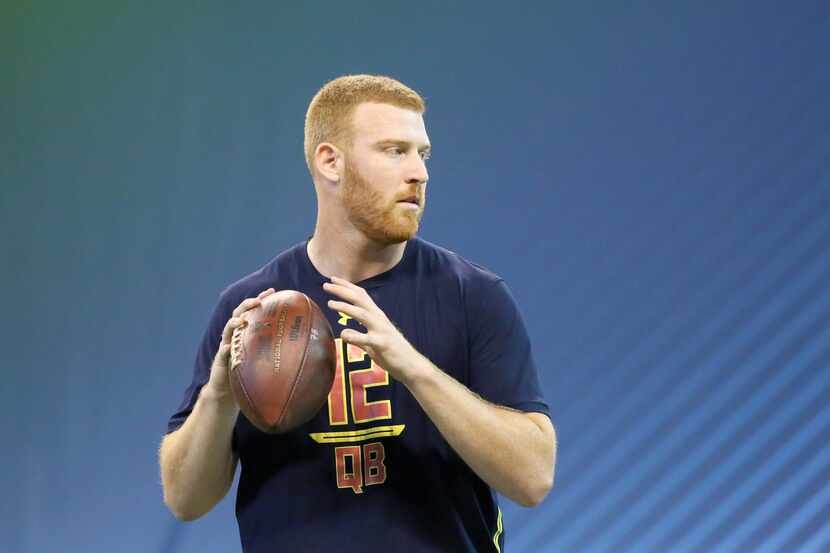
(425, 155)
(395, 150)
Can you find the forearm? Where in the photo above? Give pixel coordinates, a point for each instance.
(197, 464)
(512, 452)
(505, 448)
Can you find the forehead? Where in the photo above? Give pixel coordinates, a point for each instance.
(373, 122)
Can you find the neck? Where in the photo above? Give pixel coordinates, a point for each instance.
(347, 253)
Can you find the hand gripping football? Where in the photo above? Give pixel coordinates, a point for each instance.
(282, 362)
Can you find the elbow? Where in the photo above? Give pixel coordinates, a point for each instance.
(536, 493)
(185, 516)
(186, 505)
(181, 511)
(538, 488)
(179, 503)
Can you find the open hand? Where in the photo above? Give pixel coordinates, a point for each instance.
(382, 340)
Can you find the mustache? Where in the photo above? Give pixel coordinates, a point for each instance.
(417, 194)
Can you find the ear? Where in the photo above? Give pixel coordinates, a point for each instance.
(328, 160)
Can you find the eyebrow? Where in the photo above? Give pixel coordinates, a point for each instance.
(402, 143)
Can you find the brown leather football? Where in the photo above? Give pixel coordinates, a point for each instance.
(282, 362)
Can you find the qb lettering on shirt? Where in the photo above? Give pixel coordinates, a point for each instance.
(357, 466)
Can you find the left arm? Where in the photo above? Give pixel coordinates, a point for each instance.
(512, 451)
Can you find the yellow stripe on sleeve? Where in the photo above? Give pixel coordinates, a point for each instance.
(499, 530)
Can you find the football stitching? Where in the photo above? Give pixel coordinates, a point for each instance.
(236, 347)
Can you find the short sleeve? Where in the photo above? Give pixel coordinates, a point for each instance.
(204, 359)
(502, 367)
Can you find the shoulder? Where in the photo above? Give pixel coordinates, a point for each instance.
(439, 260)
(481, 292)
(487, 302)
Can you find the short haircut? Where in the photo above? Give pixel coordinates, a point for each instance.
(329, 115)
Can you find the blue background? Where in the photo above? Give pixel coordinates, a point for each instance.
(651, 178)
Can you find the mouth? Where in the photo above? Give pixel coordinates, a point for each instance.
(411, 200)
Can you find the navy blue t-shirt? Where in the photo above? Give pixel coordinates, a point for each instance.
(371, 471)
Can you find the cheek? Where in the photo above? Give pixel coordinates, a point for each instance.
(382, 185)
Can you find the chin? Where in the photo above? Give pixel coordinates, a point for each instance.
(392, 225)
(398, 234)
(395, 231)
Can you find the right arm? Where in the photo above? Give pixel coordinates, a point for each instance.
(197, 462)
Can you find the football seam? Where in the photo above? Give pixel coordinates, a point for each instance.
(302, 362)
(260, 422)
(251, 407)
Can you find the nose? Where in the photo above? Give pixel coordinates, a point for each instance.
(417, 171)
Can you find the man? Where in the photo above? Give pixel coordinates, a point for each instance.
(438, 404)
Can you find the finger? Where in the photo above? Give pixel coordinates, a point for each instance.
(355, 312)
(265, 293)
(351, 295)
(228, 330)
(221, 358)
(344, 282)
(247, 304)
(355, 338)
(232, 324)
(337, 281)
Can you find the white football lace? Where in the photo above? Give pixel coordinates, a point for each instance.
(236, 347)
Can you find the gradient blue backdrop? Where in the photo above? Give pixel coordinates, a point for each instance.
(651, 178)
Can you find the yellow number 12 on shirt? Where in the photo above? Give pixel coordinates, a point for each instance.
(363, 374)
